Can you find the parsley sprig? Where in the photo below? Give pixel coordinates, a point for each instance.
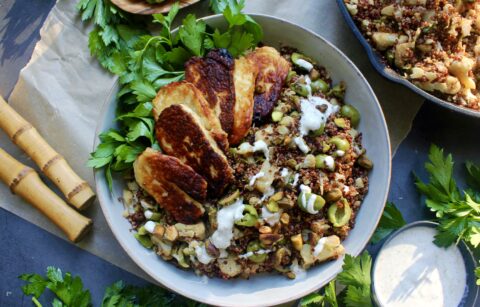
(391, 220)
(69, 292)
(355, 277)
(144, 63)
(458, 213)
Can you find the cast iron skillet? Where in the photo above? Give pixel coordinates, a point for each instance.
(392, 75)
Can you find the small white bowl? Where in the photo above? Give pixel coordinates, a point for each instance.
(270, 289)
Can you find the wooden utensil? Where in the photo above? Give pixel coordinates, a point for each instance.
(26, 183)
(53, 165)
(144, 8)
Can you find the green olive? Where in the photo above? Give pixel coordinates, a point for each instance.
(298, 56)
(340, 143)
(254, 246)
(351, 113)
(144, 240)
(340, 122)
(249, 218)
(324, 162)
(338, 90)
(365, 162)
(319, 85)
(339, 216)
(300, 89)
(304, 199)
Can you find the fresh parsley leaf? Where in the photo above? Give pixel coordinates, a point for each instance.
(473, 175)
(192, 34)
(330, 294)
(477, 274)
(356, 277)
(313, 299)
(68, 289)
(391, 220)
(241, 41)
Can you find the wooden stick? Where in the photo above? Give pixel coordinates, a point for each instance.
(53, 165)
(26, 183)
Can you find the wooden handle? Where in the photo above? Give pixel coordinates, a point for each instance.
(53, 165)
(26, 183)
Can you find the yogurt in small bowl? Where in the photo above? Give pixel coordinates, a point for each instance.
(410, 270)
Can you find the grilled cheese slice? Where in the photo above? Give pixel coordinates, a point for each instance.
(272, 72)
(187, 94)
(174, 185)
(181, 134)
(213, 76)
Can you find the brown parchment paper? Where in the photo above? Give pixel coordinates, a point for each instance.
(62, 89)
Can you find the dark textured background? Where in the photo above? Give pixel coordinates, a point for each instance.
(27, 248)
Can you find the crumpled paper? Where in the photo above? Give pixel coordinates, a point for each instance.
(62, 89)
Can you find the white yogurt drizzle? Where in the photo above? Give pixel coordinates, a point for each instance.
(297, 270)
(295, 179)
(300, 142)
(259, 252)
(255, 177)
(304, 64)
(319, 246)
(284, 172)
(257, 146)
(202, 255)
(330, 162)
(226, 219)
(310, 205)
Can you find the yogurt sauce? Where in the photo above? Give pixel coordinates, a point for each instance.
(412, 271)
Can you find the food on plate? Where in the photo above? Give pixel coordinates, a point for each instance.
(434, 44)
(284, 193)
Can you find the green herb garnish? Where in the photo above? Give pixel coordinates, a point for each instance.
(144, 63)
(391, 220)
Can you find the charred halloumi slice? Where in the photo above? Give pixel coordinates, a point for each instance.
(272, 72)
(244, 76)
(186, 93)
(180, 132)
(173, 184)
(213, 76)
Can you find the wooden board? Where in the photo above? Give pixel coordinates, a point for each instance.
(144, 8)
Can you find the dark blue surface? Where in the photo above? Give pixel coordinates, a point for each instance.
(379, 64)
(27, 248)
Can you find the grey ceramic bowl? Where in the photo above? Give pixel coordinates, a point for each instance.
(471, 290)
(379, 64)
(272, 289)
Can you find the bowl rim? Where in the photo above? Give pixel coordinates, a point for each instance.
(462, 246)
(391, 75)
(211, 301)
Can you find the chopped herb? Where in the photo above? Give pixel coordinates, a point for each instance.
(391, 220)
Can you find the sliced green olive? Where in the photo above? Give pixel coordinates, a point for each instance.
(340, 143)
(340, 122)
(339, 216)
(300, 89)
(253, 247)
(304, 199)
(250, 217)
(319, 85)
(324, 162)
(338, 90)
(142, 231)
(351, 113)
(144, 240)
(298, 56)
